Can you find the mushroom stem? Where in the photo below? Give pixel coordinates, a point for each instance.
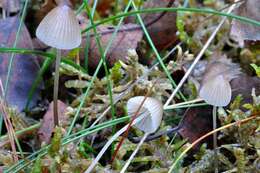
(215, 145)
(134, 153)
(3, 13)
(56, 88)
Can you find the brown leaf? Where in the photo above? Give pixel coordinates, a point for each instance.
(104, 7)
(244, 31)
(24, 67)
(196, 123)
(123, 41)
(45, 132)
(162, 32)
(243, 85)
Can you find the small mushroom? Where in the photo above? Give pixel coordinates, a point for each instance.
(59, 29)
(216, 89)
(153, 111)
(149, 119)
(9, 6)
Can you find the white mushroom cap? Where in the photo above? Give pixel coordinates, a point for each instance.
(153, 109)
(216, 91)
(215, 87)
(60, 28)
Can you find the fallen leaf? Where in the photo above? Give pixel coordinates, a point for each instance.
(244, 31)
(196, 123)
(104, 7)
(24, 68)
(162, 32)
(123, 41)
(243, 85)
(45, 132)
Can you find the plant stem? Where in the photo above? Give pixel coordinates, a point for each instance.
(56, 88)
(215, 145)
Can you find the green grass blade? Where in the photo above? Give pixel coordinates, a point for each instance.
(156, 52)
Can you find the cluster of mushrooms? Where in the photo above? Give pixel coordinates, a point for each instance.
(60, 29)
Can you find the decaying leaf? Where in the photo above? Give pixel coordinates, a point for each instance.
(104, 7)
(46, 129)
(162, 32)
(118, 50)
(243, 85)
(244, 31)
(196, 123)
(24, 68)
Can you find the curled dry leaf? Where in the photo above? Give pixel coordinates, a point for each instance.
(118, 50)
(162, 32)
(25, 67)
(45, 132)
(244, 31)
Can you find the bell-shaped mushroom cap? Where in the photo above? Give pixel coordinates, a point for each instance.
(153, 109)
(215, 88)
(60, 28)
(216, 91)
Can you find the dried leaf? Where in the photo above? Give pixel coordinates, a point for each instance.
(244, 31)
(118, 50)
(24, 68)
(162, 32)
(196, 123)
(104, 7)
(243, 85)
(46, 129)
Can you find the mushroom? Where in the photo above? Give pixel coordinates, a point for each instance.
(149, 119)
(59, 29)
(153, 111)
(9, 6)
(215, 87)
